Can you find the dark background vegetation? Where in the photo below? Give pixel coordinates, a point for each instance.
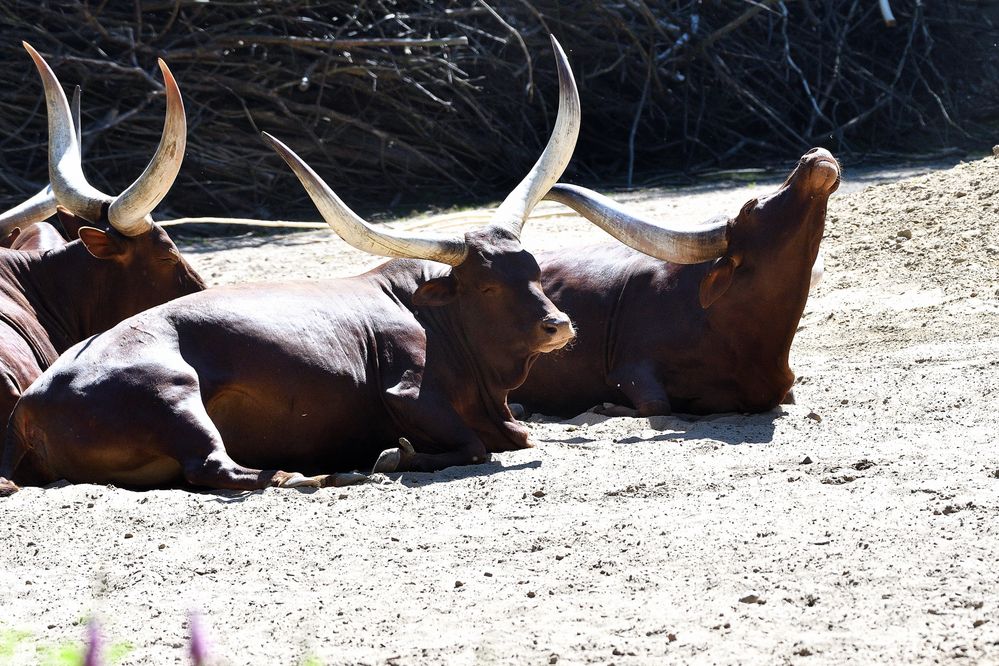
(405, 103)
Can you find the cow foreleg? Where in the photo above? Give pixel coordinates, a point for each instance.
(407, 459)
(642, 387)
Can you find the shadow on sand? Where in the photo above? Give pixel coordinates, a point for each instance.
(729, 429)
(408, 479)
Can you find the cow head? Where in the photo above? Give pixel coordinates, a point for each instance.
(776, 238)
(781, 230)
(138, 260)
(504, 313)
(494, 285)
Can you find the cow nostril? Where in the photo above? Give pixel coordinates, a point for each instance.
(555, 325)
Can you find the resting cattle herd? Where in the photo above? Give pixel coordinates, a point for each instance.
(312, 376)
(703, 325)
(54, 293)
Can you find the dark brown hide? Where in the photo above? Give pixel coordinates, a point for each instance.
(58, 293)
(225, 387)
(700, 338)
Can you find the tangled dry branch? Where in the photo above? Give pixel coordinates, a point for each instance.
(408, 101)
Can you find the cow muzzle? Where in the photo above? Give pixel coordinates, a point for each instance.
(556, 332)
(823, 170)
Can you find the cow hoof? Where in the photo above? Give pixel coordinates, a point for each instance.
(344, 479)
(406, 446)
(296, 480)
(517, 410)
(7, 488)
(388, 461)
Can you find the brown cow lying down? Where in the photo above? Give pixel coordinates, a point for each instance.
(228, 387)
(702, 325)
(55, 293)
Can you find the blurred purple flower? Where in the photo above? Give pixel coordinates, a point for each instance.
(199, 640)
(94, 656)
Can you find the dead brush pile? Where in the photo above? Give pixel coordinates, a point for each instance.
(408, 102)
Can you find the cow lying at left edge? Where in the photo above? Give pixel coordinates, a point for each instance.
(55, 293)
(313, 376)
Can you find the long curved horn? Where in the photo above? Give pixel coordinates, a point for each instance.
(65, 166)
(39, 207)
(447, 249)
(678, 244)
(517, 206)
(43, 204)
(129, 211)
(74, 108)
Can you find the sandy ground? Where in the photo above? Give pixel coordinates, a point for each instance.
(857, 526)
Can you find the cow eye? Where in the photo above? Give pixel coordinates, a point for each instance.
(173, 257)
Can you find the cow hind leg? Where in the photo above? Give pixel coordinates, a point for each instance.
(167, 436)
(202, 455)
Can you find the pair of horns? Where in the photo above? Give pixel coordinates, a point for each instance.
(128, 212)
(451, 249)
(675, 243)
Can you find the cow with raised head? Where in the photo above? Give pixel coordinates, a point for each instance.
(53, 292)
(693, 319)
(406, 366)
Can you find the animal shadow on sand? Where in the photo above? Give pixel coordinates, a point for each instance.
(420, 479)
(408, 479)
(730, 428)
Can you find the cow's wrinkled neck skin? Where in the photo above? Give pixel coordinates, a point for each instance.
(774, 266)
(480, 389)
(75, 294)
(39, 279)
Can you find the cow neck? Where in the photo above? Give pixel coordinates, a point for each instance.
(786, 304)
(18, 312)
(491, 386)
(65, 291)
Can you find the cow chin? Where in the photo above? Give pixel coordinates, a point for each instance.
(555, 345)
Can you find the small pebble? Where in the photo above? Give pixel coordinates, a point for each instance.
(806, 461)
(457, 584)
(905, 233)
(531, 595)
(753, 599)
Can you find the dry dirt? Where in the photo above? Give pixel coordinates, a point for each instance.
(857, 526)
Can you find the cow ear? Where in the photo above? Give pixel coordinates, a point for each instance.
(717, 281)
(70, 223)
(101, 244)
(11, 237)
(439, 291)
